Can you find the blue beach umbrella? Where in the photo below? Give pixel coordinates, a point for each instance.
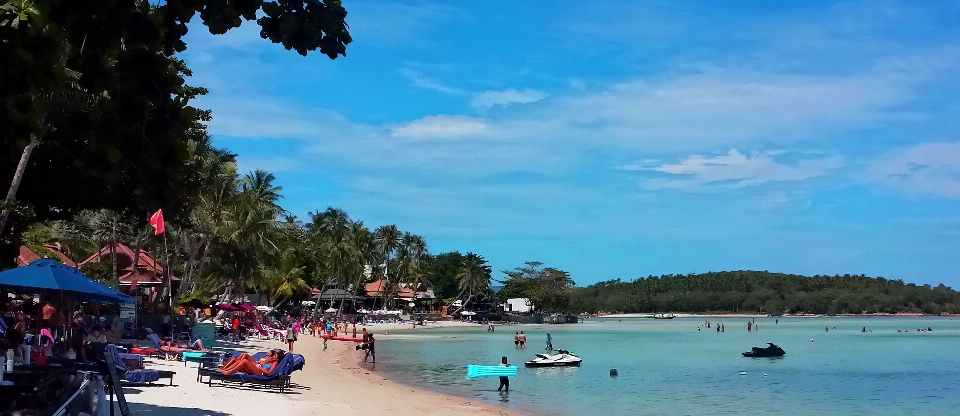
(45, 274)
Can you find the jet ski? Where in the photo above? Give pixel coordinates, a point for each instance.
(772, 350)
(563, 358)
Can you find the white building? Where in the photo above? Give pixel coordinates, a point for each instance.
(521, 305)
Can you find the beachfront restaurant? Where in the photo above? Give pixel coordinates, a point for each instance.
(339, 299)
(48, 365)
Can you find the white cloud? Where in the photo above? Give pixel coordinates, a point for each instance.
(734, 169)
(440, 127)
(932, 169)
(422, 81)
(504, 98)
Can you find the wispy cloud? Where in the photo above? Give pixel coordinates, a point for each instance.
(440, 127)
(419, 80)
(734, 169)
(930, 169)
(506, 97)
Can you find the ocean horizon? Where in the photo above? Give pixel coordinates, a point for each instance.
(669, 367)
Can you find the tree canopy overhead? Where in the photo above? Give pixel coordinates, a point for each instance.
(95, 110)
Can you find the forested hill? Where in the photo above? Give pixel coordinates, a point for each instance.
(764, 292)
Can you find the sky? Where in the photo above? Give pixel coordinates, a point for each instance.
(616, 139)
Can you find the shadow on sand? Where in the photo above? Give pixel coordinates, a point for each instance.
(140, 409)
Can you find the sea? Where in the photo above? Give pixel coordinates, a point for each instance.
(680, 367)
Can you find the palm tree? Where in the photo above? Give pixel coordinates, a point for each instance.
(286, 280)
(474, 277)
(329, 232)
(412, 253)
(387, 239)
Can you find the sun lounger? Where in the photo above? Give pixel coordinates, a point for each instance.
(112, 357)
(279, 378)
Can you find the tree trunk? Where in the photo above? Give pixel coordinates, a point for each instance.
(17, 178)
(113, 253)
(203, 260)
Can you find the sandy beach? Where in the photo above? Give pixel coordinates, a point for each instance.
(335, 381)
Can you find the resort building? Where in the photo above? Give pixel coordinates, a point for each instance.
(519, 305)
(51, 251)
(141, 276)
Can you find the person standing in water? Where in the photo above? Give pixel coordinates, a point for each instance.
(504, 380)
(371, 349)
(516, 339)
(523, 340)
(549, 343)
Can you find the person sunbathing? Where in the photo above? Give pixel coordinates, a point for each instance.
(244, 363)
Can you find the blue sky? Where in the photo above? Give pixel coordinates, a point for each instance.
(619, 139)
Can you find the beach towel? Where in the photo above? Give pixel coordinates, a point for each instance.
(481, 371)
(112, 357)
(142, 376)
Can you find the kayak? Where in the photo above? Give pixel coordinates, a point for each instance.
(342, 338)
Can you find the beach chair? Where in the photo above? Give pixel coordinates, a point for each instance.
(205, 367)
(112, 357)
(278, 379)
(260, 332)
(169, 353)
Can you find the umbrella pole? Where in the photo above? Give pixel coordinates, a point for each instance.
(39, 314)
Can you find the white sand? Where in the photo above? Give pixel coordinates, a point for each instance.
(334, 382)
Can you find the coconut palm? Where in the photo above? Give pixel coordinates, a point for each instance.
(286, 280)
(474, 277)
(387, 240)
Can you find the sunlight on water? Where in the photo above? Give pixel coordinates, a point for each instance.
(670, 368)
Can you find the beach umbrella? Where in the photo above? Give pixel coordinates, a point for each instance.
(308, 303)
(227, 307)
(264, 308)
(246, 307)
(331, 310)
(45, 274)
(363, 311)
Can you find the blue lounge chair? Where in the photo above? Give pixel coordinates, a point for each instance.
(278, 378)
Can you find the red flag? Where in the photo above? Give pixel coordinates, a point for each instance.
(156, 220)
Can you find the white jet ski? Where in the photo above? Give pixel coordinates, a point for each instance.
(562, 359)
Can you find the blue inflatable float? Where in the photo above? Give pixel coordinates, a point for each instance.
(481, 371)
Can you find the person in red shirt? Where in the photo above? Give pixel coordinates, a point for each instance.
(235, 324)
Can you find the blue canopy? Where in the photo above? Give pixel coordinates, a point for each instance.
(48, 274)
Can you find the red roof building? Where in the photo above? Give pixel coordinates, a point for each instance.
(147, 272)
(27, 256)
(377, 288)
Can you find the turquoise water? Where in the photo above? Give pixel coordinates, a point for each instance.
(667, 367)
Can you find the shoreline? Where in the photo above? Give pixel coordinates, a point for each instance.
(335, 381)
(737, 315)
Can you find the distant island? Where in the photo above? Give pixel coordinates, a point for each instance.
(764, 292)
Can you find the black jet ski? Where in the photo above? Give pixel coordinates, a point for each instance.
(772, 350)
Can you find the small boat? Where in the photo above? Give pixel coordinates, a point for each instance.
(662, 316)
(562, 359)
(772, 350)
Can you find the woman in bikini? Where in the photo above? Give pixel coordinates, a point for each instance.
(246, 364)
